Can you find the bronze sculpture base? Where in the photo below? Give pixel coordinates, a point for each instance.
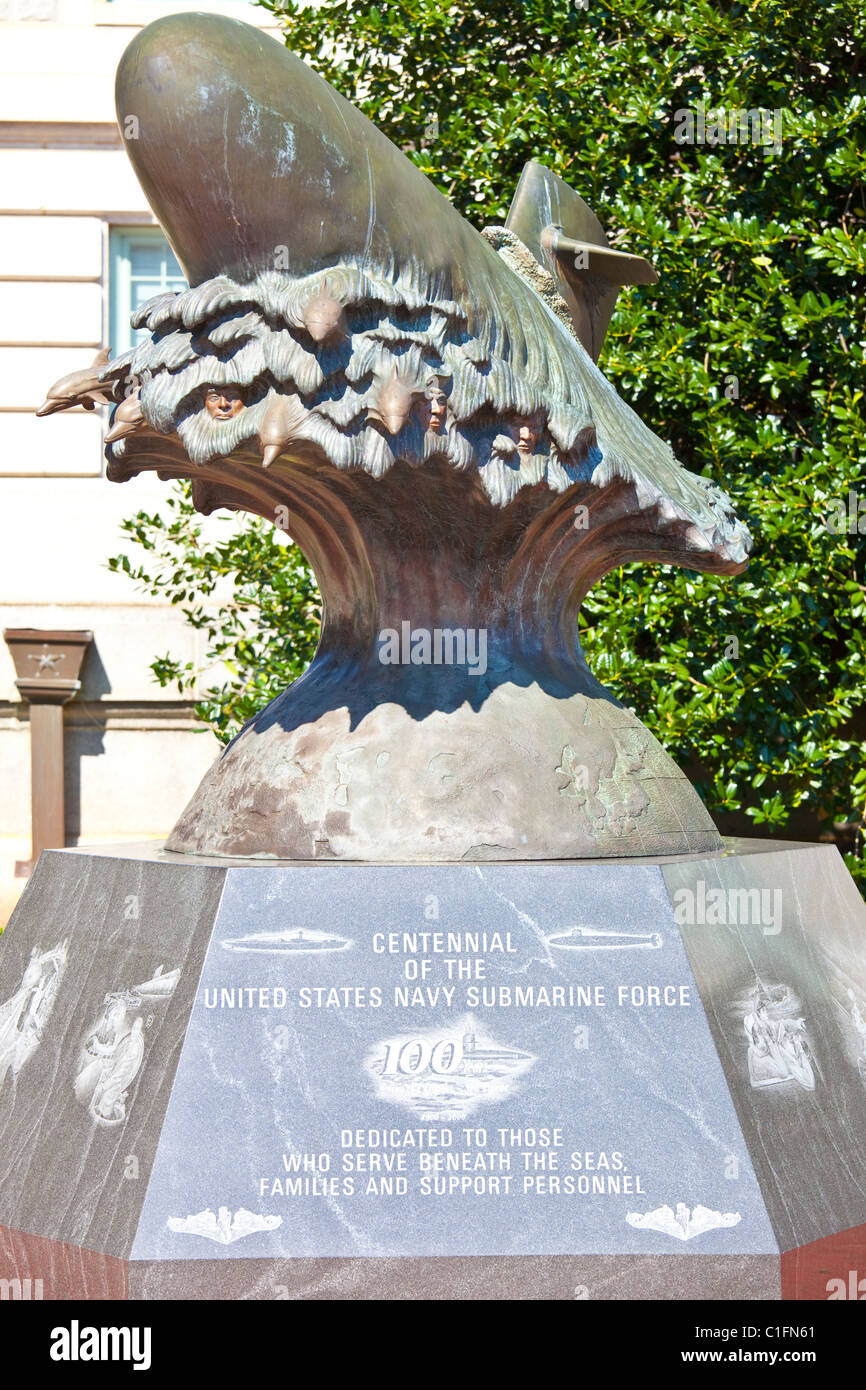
(526, 775)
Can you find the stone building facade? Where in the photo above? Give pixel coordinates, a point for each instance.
(78, 248)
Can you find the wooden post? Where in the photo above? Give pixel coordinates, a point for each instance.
(47, 664)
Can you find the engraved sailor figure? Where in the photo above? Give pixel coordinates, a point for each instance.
(113, 1051)
(113, 1054)
(778, 1046)
(24, 1015)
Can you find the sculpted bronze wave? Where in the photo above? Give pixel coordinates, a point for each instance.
(424, 400)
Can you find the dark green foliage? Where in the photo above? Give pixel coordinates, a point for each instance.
(748, 355)
(250, 593)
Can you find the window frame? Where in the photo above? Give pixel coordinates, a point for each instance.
(121, 239)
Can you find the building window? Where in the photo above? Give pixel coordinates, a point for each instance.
(142, 264)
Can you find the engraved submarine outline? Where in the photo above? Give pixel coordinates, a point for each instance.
(600, 939)
(298, 941)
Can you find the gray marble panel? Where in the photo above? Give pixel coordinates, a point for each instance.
(777, 942)
(98, 969)
(578, 1014)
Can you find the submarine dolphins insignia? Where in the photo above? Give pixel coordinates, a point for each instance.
(683, 1224)
(223, 1228)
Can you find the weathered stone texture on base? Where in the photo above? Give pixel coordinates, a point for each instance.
(524, 773)
(518, 1278)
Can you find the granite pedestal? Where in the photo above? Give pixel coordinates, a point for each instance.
(572, 1080)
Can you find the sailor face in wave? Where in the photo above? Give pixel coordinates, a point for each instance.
(525, 431)
(436, 403)
(223, 402)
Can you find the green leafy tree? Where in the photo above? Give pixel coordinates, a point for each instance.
(747, 355)
(250, 592)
